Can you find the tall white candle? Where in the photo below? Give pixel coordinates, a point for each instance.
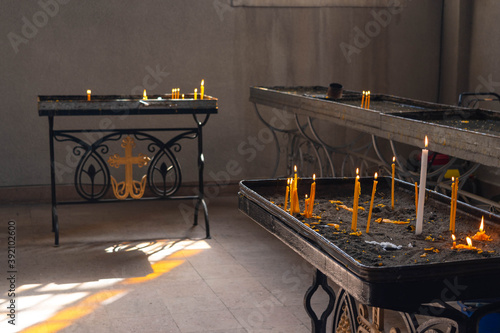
(421, 191)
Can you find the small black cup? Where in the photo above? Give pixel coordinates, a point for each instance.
(334, 91)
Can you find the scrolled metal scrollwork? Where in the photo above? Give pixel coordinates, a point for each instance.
(92, 177)
(164, 173)
(345, 313)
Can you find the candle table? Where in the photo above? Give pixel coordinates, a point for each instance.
(95, 160)
(296, 117)
(411, 287)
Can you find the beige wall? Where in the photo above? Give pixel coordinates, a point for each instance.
(112, 46)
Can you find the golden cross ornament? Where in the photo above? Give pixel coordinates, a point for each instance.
(129, 187)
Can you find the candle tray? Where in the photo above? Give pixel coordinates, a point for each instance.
(398, 286)
(78, 105)
(470, 134)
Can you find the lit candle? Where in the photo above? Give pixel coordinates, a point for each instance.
(195, 93)
(454, 242)
(393, 165)
(88, 94)
(374, 189)
(421, 191)
(287, 191)
(363, 99)
(368, 97)
(481, 235)
(468, 246)
(357, 188)
(202, 89)
(469, 243)
(295, 176)
(296, 207)
(182, 96)
(144, 95)
(312, 196)
(306, 207)
(173, 93)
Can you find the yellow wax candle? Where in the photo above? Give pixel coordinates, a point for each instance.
(144, 95)
(312, 195)
(416, 196)
(393, 165)
(202, 89)
(363, 99)
(368, 97)
(455, 197)
(374, 189)
(481, 234)
(452, 202)
(354, 222)
(306, 207)
(88, 94)
(295, 208)
(295, 176)
(196, 93)
(286, 195)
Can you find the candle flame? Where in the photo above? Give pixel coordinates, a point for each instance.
(481, 227)
(144, 95)
(88, 91)
(314, 177)
(306, 196)
(426, 141)
(294, 168)
(469, 241)
(376, 175)
(453, 237)
(357, 171)
(288, 181)
(202, 82)
(394, 159)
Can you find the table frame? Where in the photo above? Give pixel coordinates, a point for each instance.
(164, 151)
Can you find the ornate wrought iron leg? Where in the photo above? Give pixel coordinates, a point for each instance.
(201, 189)
(55, 222)
(319, 325)
(345, 314)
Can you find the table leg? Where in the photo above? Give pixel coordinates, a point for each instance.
(201, 189)
(55, 221)
(319, 324)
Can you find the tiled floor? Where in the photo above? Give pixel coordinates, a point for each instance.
(142, 267)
